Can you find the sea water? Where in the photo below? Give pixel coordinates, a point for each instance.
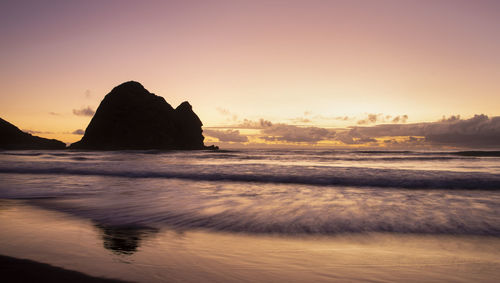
(133, 197)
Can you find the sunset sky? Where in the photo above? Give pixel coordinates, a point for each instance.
(341, 73)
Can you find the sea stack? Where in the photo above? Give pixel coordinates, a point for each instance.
(130, 117)
(13, 138)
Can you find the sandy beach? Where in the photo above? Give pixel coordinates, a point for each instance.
(141, 254)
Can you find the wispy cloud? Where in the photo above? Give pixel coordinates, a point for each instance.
(292, 133)
(84, 111)
(400, 119)
(78, 132)
(251, 124)
(35, 132)
(301, 120)
(226, 135)
(381, 118)
(230, 116)
(332, 118)
(88, 94)
(371, 119)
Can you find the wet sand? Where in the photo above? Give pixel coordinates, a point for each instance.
(146, 254)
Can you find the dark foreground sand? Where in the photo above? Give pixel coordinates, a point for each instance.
(23, 270)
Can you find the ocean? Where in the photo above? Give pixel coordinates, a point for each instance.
(360, 208)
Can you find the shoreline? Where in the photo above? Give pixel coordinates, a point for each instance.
(24, 270)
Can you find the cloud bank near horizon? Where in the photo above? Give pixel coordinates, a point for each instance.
(479, 131)
(226, 135)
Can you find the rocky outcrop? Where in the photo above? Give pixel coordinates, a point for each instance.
(13, 138)
(130, 117)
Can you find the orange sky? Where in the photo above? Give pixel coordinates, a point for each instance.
(293, 62)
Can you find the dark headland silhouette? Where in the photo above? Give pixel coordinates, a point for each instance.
(130, 117)
(13, 138)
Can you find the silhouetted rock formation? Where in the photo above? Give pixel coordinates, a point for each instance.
(13, 138)
(130, 117)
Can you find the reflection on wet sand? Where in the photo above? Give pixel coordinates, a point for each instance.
(123, 240)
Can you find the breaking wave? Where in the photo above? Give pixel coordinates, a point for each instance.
(265, 191)
(337, 176)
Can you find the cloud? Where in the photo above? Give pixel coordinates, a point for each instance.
(250, 124)
(300, 120)
(278, 132)
(225, 112)
(88, 94)
(35, 132)
(452, 118)
(291, 133)
(246, 124)
(84, 111)
(366, 140)
(398, 119)
(380, 118)
(339, 118)
(54, 114)
(478, 131)
(406, 142)
(353, 137)
(78, 132)
(226, 135)
(370, 119)
(345, 137)
(342, 118)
